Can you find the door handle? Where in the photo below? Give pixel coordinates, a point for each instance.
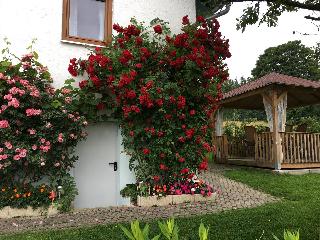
(115, 165)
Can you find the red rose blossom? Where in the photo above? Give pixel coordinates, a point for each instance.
(157, 29)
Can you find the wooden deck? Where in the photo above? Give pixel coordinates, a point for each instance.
(299, 150)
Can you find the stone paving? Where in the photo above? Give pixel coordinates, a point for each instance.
(233, 195)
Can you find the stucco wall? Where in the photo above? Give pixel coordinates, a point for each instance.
(21, 21)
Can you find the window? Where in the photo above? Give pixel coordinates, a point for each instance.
(87, 21)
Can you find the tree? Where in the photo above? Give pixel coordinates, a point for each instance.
(253, 13)
(292, 58)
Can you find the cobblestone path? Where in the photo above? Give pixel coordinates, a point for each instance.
(233, 195)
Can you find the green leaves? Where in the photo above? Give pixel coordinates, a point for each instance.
(137, 233)
(203, 232)
(288, 235)
(169, 229)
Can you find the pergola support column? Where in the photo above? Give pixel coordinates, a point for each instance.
(219, 122)
(273, 98)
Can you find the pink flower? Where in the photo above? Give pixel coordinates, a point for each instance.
(1, 76)
(42, 140)
(35, 93)
(3, 157)
(16, 157)
(178, 192)
(7, 97)
(33, 112)
(8, 145)
(57, 164)
(34, 147)
(48, 125)
(60, 138)
(146, 151)
(1, 150)
(14, 103)
(4, 107)
(23, 153)
(4, 124)
(85, 123)
(32, 131)
(65, 91)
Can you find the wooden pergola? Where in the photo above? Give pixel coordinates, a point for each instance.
(275, 149)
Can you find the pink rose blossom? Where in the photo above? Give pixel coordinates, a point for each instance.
(34, 147)
(65, 91)
(4, 107)
(1, 76)
(14, 103)
(16, 157)
(23, 153)
(8, 145)
(35, 93)
(24, 82)
(33, 112)
(1, 150)
(4, 124)
(7, 97)
(32, 131)
(60, 138)
(42, 140)
(48, 125)
(68, 100)
(3, 157)
(48, 143)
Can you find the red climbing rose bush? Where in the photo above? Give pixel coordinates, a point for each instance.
(163, 89)
(39, 131)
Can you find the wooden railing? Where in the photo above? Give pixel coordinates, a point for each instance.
(301, 147)
(221, 148)
(263, 147)
(240, 149)
(297, 148)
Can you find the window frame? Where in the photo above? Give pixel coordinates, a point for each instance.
(81, 40)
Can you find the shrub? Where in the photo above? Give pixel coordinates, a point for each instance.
(163, 89)
(39, 132)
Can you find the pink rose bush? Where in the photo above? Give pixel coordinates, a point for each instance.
(163, 89)
(35, 123)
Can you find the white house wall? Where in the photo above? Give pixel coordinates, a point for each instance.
(21, 21)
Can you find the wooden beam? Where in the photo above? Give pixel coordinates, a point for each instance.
(277, 150)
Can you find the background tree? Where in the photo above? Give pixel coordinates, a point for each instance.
(292, 58)
(253, 13)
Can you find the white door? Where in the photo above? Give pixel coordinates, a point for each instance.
(95, 178)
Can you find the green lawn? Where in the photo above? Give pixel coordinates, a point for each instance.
(299, 209)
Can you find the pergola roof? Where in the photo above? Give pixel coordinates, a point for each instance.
(301, 92)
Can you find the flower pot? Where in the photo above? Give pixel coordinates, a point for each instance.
(154, 201)
(9, 212)
(177, 199)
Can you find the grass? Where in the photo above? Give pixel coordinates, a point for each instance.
(299, 209)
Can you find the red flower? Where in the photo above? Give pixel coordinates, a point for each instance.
(83, 84)
(181, 139)
(200, 19)
(160, 134)
(159, 102)
(157, 29)
(131, 133)
(156, 178)
(181, 159)
(185, 20)
(162, 155)
(192, 112)
(163, 167)
(138, 65)
(189, 133)
(185, 171)
(146, 151)
(139, 41)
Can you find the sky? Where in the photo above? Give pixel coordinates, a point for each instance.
(248, 46)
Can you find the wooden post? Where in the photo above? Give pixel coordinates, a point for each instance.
(219, 123)
(277, 150)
